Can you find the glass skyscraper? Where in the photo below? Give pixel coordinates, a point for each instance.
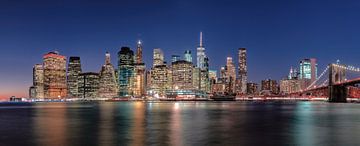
(125, 71)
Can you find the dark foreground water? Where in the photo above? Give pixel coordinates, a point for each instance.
(180, 123)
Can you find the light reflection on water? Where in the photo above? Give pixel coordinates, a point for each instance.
(180, 123)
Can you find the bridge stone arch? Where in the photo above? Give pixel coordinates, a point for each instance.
(337, 92)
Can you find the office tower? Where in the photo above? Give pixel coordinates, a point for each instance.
(231, 74)
(38, 82)
(108, 87)
(188, 56)
(196, 78)
(200, 55)
(308, 69)
(175, 58)
(293, 74)
(182, 72)
(54, 75)
(138, 85)
(125, 71)
(139, 58)
(88, 83)
(159, 79)
(158, 57)
(252, 88)
(74, 69)
(270, 86)
(242, 79)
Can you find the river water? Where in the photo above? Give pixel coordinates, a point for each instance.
(180, 123)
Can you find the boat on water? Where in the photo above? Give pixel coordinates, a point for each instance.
(222, 97)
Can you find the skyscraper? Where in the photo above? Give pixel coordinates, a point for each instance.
(308, 69)
(182, 72)
(139, 58)
(108, 87)
(138, 85)
(200, 55)
(125, 71)
(158, 57)
(74, 69)
(54, 75)
(159, 79)
(38, 81)
(269, 85)
(242, 79)
(88, 85)
(231, 74)
(188, 56)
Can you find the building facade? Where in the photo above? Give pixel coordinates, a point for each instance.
(182, 72)
(188, 56)
(37, 89)
(242, 73)
(125, 71)
(108, 86)
(74, 69)
(269, 86)
(88, 85)
(55, 85)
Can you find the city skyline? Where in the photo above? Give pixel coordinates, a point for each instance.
(267, 49)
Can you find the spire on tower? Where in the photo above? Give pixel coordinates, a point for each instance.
(107, 58)
(201, 41)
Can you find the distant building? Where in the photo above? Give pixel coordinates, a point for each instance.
(108, 86)
(269, 85)
(175, 58)
(74, 69)
(139, 48)
(37, 89)
(213, 76)
(188, 56)
(288, 86)
(159, 79)
(125, 71)
(308, 70)
(88, 85)
(158, 57)
(200, 56)
(252, 88)
(231, 75)
(242, 79)
(182, 72)
(196, 78)
(54, 75)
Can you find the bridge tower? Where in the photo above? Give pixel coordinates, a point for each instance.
(337, 92)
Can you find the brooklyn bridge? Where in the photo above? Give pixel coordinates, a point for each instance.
(337, 83)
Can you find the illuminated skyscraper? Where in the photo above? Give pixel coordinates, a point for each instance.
(108, 87)
(74, 69)
(242, 79)
(158, 57)
(252, 88)
(138, 85)
(88, 85)
(231, 74)
(188, 56)
(139, 58)
(125, 71)
(196, 78)
(200, 56)
(54, 75)
(38, 81)
(182, 72)
(308, 69)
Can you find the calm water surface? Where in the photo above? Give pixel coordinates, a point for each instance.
(180, 123)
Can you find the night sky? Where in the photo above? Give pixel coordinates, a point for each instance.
(277, 33)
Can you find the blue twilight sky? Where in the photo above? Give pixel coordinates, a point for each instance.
(277, 33)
